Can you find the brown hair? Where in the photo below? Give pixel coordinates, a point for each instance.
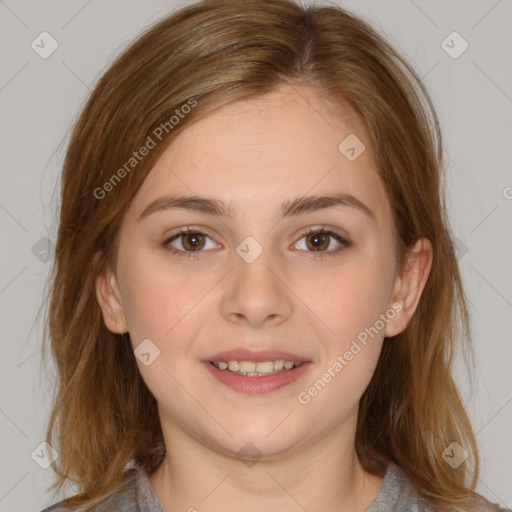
(214, 53)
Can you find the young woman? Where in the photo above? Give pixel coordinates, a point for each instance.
(255, 296)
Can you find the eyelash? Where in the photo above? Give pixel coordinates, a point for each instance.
(345, 244)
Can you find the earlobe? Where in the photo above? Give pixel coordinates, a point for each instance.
(409, 286)
(109, 300)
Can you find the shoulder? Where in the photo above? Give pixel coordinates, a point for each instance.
(123, 498)
(486, 506)
(398, 494)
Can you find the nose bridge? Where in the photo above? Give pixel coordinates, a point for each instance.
(254, 290)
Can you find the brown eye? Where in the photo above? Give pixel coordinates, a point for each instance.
(193, 241)
(188, 242)
(317, 241)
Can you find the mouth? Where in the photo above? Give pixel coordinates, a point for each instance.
(256, 369)
(260, 376)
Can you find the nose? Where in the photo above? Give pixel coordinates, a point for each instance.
(257, 293)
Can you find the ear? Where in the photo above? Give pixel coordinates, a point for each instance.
(109, 300)
(409, 285)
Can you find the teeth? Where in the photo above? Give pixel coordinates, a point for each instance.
(264, 367)
(255, 369)
(278, 365)
(247, 366)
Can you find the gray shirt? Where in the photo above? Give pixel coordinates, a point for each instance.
(135, 494)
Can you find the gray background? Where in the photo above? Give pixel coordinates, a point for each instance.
(40, 98)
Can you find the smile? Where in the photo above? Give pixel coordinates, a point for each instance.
(255, 378)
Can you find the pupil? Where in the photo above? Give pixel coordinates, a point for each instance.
(318, 240)
(193, 241)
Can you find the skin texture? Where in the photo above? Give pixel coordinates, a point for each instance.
(255, 155)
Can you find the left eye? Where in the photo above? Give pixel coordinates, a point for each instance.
(320, 240)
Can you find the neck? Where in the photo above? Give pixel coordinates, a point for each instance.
(326, 475)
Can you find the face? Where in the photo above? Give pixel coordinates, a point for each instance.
(314, 279)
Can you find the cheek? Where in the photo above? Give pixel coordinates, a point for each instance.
(349, 300)
(354, 303)
(166, 308)
(350, 304)
(157, 300)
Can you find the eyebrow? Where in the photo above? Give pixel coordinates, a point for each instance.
(292, 207)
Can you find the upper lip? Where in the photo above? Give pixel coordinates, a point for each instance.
(244, 354)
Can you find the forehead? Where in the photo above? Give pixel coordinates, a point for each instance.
(257, 152)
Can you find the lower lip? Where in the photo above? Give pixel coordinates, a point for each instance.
(257, 385)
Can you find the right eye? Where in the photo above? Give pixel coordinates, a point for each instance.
(190, 240)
